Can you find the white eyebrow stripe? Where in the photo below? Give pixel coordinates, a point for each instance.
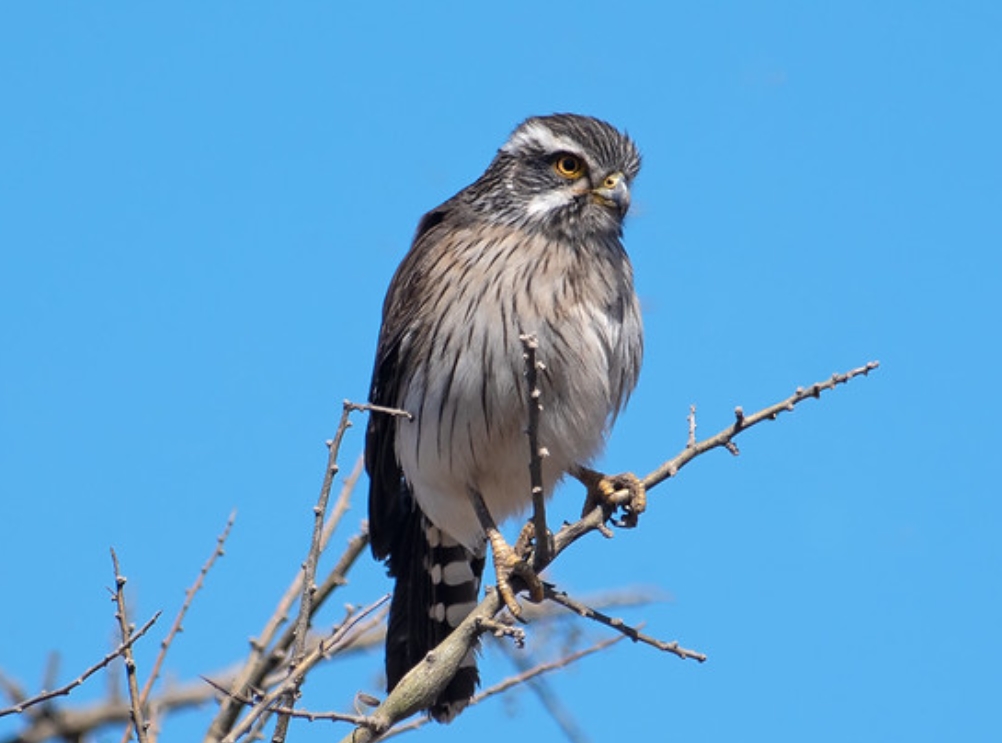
(539, 136)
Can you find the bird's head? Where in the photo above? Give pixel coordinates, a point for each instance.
(563, 174)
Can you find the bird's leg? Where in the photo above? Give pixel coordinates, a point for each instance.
(602, 491)
(507, 562)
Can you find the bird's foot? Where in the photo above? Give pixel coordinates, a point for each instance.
(612, 492)
(537, 554)
(509, 563)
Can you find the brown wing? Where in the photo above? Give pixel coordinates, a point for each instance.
(390, 501)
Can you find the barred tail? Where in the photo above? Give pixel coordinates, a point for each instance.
(437, 586)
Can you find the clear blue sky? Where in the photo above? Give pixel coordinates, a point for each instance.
(200, 209)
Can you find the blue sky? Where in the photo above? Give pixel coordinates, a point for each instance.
(200, 209)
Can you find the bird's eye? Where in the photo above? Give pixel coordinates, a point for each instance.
(568, 166)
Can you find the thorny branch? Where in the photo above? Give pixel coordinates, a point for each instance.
(138, 722)
(289, 711)
(176, 626)
(62, 691)
(512, 681)
(530, 344)
(309, 579)
(263, 662)
(582, 609)
(426, 680)
(341, 636)
(189, 596)
(539, 685)
(423, 683)
(74, 722)
(743, 422)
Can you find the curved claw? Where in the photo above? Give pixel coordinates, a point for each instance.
(507, 564)
(602, 491)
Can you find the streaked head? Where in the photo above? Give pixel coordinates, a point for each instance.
(564, 173)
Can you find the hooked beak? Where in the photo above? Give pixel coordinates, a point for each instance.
(613, 193)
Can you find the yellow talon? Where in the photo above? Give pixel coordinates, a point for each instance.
(507, 564)
(602, 490)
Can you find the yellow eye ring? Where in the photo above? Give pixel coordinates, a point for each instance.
(568, 166)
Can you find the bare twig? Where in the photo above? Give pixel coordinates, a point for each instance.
(310, 573)
(591, 521)
(356, 545)
(51, 670)
(542, 668)
(743, 422)
(339, 638)
(428, 678)
(530, 344)
(547, 696)
(516, 680)
(289, 711)
(634, 633)
(176, 626)
(261, 661)
(14, 692)
(62, 691)
(188, 598)
(422, 684)
(73, 723)
(369, 407)
(341, 505)
(80, 723)
(138, 723)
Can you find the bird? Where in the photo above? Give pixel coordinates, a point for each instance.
(533, 246)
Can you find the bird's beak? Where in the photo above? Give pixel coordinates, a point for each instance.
(613, 193)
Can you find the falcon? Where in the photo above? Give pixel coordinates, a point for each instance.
(533, 246)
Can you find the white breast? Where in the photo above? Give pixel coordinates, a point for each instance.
(470, 403)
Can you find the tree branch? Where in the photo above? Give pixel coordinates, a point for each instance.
(263, 661)
(340, 637)
(258, 684)
(62, 691)
(309, 576)
(742, 423)
(188, 598)
(514, 681)
(530, 344)
(422, 684)
(136, 709)
(634, 633)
